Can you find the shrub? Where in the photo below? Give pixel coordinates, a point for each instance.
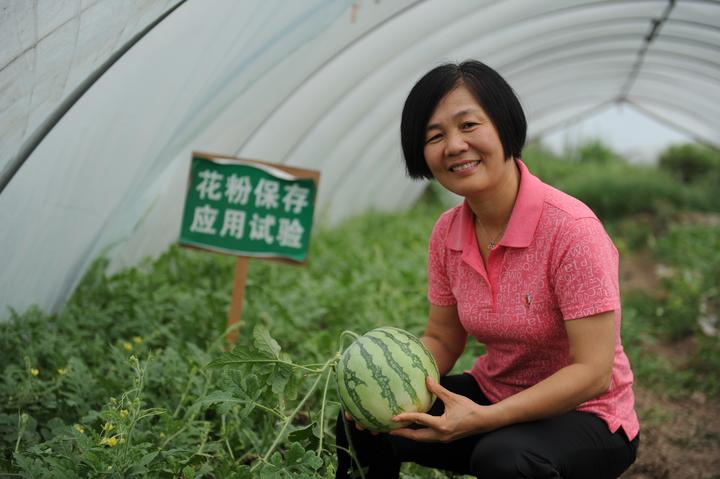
(621, 190)
(691, 163)
(595, 151)
(693, 254)
(548, 166)
(614, 188)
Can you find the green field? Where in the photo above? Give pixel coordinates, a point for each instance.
(131, 378)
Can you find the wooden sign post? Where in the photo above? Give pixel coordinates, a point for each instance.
(236, 302)
(250, 209)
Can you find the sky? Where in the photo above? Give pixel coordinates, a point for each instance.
(632, 134)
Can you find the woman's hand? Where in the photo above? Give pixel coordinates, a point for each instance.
(462, 417)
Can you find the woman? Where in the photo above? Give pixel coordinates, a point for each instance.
(529, 272)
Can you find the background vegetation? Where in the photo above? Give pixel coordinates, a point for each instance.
(131, 378)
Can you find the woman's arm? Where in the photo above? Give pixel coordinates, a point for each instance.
(444, 336)
(592, 348)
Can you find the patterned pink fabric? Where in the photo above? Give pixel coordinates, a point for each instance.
(554, 263)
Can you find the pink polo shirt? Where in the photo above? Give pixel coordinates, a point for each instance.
(554, 263)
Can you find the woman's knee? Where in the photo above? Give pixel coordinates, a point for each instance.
(499, 456)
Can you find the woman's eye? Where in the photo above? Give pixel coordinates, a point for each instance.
(434, 138)
(468, 125)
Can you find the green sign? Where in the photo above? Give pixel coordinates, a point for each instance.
(248, 208)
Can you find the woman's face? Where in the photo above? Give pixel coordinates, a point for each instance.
(462, 147)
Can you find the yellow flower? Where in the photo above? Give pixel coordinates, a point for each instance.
(79, 428)
(109, 441)
(137, 339)
(61, 371)
(34, 371)
(124, 413)
(127, 346)
(108, 427)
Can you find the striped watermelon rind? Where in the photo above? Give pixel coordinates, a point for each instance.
(382, 374)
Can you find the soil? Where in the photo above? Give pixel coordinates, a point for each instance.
(679, 439)
(639, 271)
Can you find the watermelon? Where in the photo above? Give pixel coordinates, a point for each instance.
(381, 374)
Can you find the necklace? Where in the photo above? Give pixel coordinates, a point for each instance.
(493, 242)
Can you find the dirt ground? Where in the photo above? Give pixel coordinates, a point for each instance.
(678, 440)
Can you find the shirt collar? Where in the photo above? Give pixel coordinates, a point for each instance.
(523, 220)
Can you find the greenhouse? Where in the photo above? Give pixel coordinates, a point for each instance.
(114, 349)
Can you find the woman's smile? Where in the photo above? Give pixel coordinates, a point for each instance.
(464, 168)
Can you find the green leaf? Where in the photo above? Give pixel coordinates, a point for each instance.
(292, 388)
(280, 379)
(233, 358)
(146, 459)
(294, 454)
(57, 426)
(216, 397)
(312, 460)
(243, 472)
(305, 435)
(265, 343)
(271, 471)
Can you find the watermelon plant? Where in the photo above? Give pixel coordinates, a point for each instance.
(380, 375)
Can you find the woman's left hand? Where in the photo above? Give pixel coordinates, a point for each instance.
(462, 417)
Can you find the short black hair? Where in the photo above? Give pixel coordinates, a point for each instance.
(492, 93)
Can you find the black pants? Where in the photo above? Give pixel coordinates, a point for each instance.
(572, 445)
